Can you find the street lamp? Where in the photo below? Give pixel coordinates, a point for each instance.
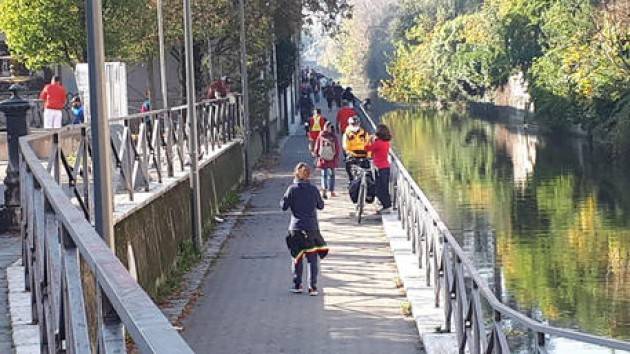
(192, 123)
(245, 88)
(109, 325)
(163, 86)
(101, 157)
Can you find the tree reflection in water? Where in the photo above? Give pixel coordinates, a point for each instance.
(540, 216)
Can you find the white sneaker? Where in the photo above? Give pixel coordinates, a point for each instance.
(296, 289)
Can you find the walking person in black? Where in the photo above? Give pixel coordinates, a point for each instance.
(338, 91)
(347, 94)
(304, 239)
(305, 105)
(329, 94)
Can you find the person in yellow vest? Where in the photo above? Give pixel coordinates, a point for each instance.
(315, 126)
(354, 141)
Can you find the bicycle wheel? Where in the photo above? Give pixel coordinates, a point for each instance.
(361, 201)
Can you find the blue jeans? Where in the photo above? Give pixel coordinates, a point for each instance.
(297, 270)
(328, 179)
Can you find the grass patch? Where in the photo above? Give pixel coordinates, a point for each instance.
(187, 257)
(230, 201)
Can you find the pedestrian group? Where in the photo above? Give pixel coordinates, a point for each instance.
(357, 148)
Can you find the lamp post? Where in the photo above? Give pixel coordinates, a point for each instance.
(244, 85)
(162, 55)
(103, 201)
(110, 329)
(192, 123)
(14, 110)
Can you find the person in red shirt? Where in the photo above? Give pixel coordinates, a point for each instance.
(379, 147)
(54, 96)
(219, 88)
(343, 115)
(315, 126)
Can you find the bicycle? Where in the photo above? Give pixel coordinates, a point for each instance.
(363, 170)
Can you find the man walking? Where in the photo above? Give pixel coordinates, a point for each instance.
(54, 97)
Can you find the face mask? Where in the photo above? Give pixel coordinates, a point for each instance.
(354, 128)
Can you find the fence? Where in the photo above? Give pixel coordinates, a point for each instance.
(34, 117)
(82, 295)
(469, 304)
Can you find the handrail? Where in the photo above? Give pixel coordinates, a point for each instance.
(447, 264)
(64, 257)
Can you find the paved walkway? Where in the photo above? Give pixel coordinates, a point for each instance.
(246, 307)
(10, 249)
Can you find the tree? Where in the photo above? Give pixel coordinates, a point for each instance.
(44, 32)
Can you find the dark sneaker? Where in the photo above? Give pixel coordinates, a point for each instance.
(297, 289)
(313, 291)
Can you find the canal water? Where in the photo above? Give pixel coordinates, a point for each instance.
(546, 221)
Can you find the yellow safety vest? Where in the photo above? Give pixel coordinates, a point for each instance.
(316, 126)
(356, 142)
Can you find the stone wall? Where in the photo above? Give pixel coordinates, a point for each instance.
(511, 100)
(148, 239)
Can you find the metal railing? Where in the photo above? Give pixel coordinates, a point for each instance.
(459, 288)
(64, 257)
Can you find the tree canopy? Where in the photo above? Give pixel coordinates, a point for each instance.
(53, 32)
(574, 54)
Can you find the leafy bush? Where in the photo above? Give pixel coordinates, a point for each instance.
(574, 54)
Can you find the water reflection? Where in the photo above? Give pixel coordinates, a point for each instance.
(521, 148)
(546, 223)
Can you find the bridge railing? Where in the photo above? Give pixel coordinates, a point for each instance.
(459, 289)
(69, 269)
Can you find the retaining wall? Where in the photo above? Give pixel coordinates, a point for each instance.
(148, 238)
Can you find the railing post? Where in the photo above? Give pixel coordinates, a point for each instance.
(540, 342)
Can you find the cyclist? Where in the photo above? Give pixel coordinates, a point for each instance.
(343, 115)
(354, 141)
(379, 147)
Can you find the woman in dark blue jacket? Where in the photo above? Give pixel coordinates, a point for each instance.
(304, 238)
